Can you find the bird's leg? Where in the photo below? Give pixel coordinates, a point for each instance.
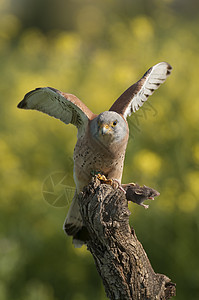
(104, 179)
(113, 182)
(101, 177)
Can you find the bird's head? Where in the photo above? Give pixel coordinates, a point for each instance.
(109, 127)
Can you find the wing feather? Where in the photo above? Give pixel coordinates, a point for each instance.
(66, 107)
(135, 96)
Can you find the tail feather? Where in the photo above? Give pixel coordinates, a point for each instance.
(80, 238)
(73, 223)
(71, 229)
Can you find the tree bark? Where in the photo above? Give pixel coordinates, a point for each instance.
(120, 259)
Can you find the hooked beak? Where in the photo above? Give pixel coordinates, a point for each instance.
(104, 129)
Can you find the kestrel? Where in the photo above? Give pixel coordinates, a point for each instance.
(101, 139)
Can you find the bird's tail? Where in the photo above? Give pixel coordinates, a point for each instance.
(73, 224)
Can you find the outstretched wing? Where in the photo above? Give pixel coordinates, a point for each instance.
(134, 97)
(66, 107)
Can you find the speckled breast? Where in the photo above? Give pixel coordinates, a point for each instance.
(95, 157)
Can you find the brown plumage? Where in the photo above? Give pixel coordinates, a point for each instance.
(102, 139)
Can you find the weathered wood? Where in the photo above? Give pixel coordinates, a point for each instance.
(120, 259)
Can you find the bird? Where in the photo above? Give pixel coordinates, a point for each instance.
(101, 139)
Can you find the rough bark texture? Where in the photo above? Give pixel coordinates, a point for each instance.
(120, 258)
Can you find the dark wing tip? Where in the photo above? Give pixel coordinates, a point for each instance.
(23, 103)
(169, 66)
(147, 72)
(169, 69)
(53, 89)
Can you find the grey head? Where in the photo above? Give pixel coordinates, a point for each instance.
(109, 128)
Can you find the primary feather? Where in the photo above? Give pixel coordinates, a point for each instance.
(65, 107)
(135, 96)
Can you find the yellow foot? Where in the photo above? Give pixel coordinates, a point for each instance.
(113, 182)
(104, 179)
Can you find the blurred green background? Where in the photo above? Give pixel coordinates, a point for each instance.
(95, 50)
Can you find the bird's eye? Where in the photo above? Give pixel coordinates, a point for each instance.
(115, 123)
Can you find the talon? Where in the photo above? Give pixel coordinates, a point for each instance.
(101, 177)
(104, 179)
(111, 182)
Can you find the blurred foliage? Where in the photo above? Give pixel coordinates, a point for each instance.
(95, 50)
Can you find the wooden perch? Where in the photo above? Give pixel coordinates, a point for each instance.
(120, 259)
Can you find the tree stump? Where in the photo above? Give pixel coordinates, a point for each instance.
(120, 259)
